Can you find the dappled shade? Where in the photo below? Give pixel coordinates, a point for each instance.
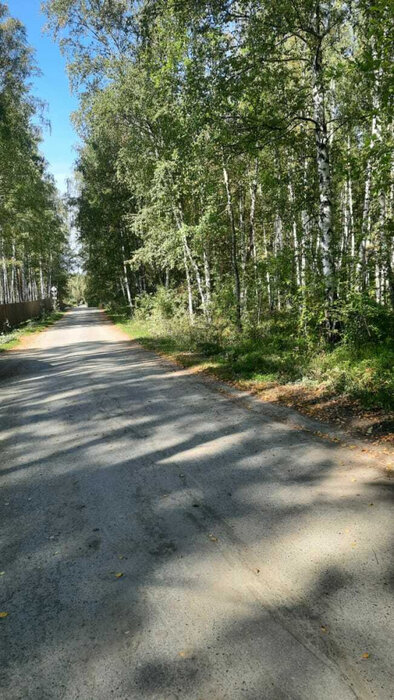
(255, 557)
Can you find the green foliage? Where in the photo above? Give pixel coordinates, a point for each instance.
(76, 290)
(275, 353)
(165, 303)
(362, 373)
(235, 178)
(366, 321)
(32, 218)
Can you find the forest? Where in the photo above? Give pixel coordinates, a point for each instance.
(234, 186)
(33, 232)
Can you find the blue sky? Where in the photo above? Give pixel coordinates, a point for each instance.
(53, 88)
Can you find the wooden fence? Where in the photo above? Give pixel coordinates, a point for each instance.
(12, 315)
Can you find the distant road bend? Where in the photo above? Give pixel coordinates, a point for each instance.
(162, 539)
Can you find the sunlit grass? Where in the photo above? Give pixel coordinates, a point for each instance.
(276, 357)
(13, 338)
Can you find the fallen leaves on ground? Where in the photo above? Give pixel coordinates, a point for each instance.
(186, 654)
(321, 404)
(119, 574)
(3, 614)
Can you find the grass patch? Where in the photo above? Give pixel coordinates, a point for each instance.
(343, 383)
(13, 338)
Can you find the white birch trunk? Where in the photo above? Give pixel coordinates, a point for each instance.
(234, 257)
(267, 273)
(297, 257)
(42, 287)
(178, 214)
(5, 294)
(189, 286)
(197, 276)
(126, 279)
(208, 290)
(252, 250)
(324, 182)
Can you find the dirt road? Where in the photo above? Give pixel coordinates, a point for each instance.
(163, 540)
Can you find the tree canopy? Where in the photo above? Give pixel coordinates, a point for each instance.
(237, 151)
(32, 224)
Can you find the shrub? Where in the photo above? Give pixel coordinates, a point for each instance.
(364, 320)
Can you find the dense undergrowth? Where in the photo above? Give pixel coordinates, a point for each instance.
(360, 366)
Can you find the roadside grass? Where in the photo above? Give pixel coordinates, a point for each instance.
(12, 339)
(353, 386)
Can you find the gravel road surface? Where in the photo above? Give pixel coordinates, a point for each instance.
(162, 538)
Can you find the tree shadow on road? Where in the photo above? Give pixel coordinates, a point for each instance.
(254, 563)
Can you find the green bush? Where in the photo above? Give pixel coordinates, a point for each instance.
(363, 320)
(143, 307)
(360, 366)
(364, 373)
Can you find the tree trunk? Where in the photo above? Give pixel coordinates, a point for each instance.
(324, 184)
(244, 252)
(297, 257)
(237, 282)
(252, 215)
(189, 286)
(197, 276)
(252, 251)
(365, 228)
(126, 280)
(380, 281)
(207, 275)
(5, 294)
(42, 287)
(178, 214)
(267, 273)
